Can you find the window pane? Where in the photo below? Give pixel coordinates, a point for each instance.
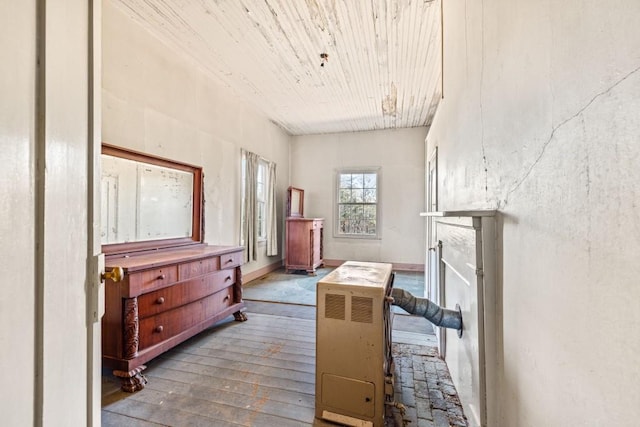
(261, 225)
(343, 218)
(260, 191)
(345, 196)
(357, 180)
(370, 180)
(370, 227)
(345, 180)
(260, 182)
(370, 212)
(342, 212)
(369, 196)
(357, 196)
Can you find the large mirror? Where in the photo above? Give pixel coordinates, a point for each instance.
(295, 202)
(148, 202)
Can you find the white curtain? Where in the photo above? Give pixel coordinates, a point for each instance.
(272, 219)
(249, 230)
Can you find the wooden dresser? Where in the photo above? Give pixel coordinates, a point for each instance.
(166, 297)
(304, 244)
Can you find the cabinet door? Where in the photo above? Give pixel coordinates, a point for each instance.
(298, 243)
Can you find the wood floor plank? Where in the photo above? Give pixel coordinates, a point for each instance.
(274, 318)
(112, 419)
(255, 338)
(252, 413)
(269, 353)
(180, 382)
(135, 409)
(255, 397)
(285, 348)
(307, 341)
(271, 331)
(242, 366)
(214, 373)
(269, 357)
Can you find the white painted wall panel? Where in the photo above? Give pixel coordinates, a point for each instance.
(400, 155)
(65, 236)
(17, 212)
(540, 118)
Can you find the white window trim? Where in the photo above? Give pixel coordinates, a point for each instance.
(336, 191)
(262, 240)
(263, 164)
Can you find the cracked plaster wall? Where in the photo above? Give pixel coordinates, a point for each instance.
(541, 120)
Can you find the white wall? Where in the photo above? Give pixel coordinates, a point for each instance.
(400, 154)
(540, 118)
(157, 100)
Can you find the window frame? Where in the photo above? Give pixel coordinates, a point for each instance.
(336, 201)
(262, 164)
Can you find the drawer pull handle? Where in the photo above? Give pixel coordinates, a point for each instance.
(228, 278)
(159, 329)
(161, 277)
(160, 300)
(226, 299)
(228, 261)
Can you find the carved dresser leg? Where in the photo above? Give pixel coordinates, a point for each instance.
(133, 380)
(240, 316)
(131, 328)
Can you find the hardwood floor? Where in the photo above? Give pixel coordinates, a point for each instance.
(256, 373)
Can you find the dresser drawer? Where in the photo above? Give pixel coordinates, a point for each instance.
(217, 302)
(230, 260)
(153, 279)
(198, 268)
(160, 327)
(184, 292)
(155, 329)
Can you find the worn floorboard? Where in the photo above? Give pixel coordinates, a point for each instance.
(262, 373)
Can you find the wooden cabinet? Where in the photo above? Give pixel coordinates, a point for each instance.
(304, 244)
(166, 297)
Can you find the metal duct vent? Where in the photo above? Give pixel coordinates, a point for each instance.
(362, 309)
(334, 306)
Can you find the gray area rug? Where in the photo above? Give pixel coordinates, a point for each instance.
(300, 288)
(291, 288)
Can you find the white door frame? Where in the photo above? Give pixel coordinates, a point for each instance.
(433, 282)
(432, 206)
(95, 305)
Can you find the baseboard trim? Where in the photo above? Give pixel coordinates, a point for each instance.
(248, 277)
(396, 265)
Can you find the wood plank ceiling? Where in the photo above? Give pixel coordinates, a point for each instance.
(382, 67)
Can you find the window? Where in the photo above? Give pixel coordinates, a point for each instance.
(258, 210)
(357, 203)
(261, 201)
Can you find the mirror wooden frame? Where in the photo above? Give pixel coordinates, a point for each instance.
(299, 212)
(197, 222)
